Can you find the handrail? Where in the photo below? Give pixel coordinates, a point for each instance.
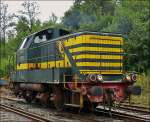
(72, 62)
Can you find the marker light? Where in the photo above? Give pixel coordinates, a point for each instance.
(128, 78)
(99, 77)
(92, 77)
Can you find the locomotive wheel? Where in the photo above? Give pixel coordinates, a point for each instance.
(28, 99)
(58, 97)
(29, 96)
(16, 90)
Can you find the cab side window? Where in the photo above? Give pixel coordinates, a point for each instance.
(43, 36)
(40, 38)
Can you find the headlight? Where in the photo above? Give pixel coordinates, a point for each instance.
(133, 77)
(91, 78)
(99, 77)
(128, 78)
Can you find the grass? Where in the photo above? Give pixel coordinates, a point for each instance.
(144, 81)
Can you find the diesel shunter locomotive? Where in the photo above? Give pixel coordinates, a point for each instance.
(82, 69)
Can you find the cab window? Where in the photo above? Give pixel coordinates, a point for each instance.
(43, 36)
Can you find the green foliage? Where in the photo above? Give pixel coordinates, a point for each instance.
(72, 18)
(143, 81)
(30, 11)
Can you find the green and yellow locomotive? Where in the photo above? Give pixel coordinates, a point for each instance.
(84, 68)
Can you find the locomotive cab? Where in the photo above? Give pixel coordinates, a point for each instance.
(42, 36)
(31, 46)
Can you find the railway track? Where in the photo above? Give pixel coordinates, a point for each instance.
(53, 115)
(23, 113)
(135, 105)
(136, 108)
(127, 113)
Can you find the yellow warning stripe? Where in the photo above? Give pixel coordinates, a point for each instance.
(62, 64)
(94, 40)
(99, 64)
(101, 72)
(78, 49)
(91, 56)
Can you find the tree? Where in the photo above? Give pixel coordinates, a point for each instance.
(53, 18)
(131, 19)
(22, 25)
(5, 21)
(72, 18)
(31, 11)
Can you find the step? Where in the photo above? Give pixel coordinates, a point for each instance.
(76, 91)
(73, 105)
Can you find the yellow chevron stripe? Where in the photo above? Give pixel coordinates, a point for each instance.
(98, 64)
(62, 64)
(94, 39)
(114, 38)
(22, 66)
(91, 56)
(45, 65)
(96, 49)
(101, 72)
(53, 64)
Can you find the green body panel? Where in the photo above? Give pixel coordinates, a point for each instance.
(50, 76)
(41, 75)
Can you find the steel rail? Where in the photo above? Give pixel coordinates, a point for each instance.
(23, 113)
(124, 115)
(135, 104)
(136, 108)
(83, 119)
(114, 113)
